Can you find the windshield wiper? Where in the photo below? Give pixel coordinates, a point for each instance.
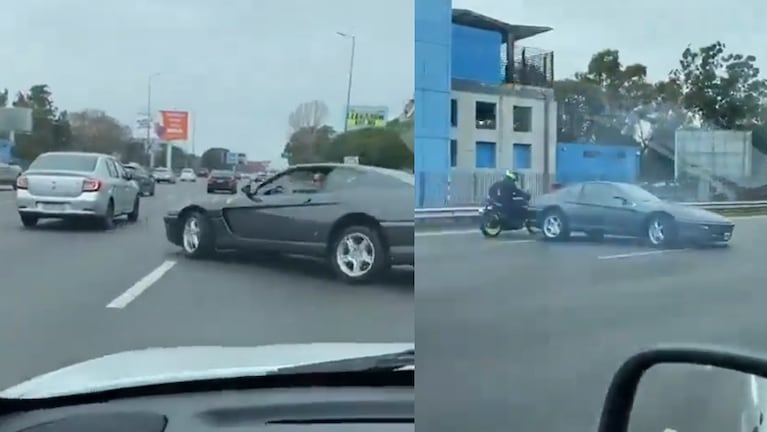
(381, 363)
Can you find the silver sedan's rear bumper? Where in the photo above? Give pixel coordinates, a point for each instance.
(87, 204)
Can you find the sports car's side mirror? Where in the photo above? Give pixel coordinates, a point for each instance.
(683, 388)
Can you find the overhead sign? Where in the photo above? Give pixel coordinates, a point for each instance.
(236, 158)
(352, 160)
(365, 116)
(174, 125)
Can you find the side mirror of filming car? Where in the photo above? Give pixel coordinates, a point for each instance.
(687, 388)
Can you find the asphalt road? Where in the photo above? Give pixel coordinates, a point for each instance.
(515, 334)
(57, 280)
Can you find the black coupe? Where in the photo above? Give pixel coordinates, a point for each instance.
(598, 208)
(360, 218)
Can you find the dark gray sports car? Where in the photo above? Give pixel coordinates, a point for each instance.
(599, 208)
(359, 218)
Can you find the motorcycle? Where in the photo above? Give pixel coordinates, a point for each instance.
(493, 220)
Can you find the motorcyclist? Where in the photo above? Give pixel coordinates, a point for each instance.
(509, 195)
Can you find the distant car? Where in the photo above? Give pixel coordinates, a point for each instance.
(69, 185)
(610, 208)
(187, 174)
(222, 180)
(360, 219)
(142, 177)
(9, 174)
(203, 172)
(164, 175)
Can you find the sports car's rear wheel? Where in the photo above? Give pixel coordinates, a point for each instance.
(358, 255)
(197, 236)
(554, 225)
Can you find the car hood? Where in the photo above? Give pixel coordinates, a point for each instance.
(168, 365)
(694, 214)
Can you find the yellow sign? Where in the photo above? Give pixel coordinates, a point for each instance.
(366, 117)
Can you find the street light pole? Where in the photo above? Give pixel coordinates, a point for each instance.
(149, 119)
(351, 74)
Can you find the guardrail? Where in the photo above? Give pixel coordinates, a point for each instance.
(460, 212)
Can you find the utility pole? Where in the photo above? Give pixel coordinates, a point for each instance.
(351, 74)
(149, 119)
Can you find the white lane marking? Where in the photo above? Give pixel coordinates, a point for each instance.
(636, 254)
(142, 285)
(441, 233)
(754, 390)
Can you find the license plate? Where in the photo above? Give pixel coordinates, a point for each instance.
(53, 207)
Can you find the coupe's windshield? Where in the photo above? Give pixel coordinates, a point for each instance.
(201, 99)
(637, 194)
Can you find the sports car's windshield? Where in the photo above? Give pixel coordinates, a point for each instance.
(637, 194)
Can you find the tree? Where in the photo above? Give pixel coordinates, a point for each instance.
(4, 98)
(374, 146)
(50, 129)
(405, 129)
(308, 144)
(214, 158)
(95, 131)
(723, 89)
(308, 115)
(308, 132)
(597, 105)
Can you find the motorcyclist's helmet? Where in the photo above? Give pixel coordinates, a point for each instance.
(511, 175)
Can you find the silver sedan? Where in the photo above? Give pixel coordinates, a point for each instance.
(69, 185)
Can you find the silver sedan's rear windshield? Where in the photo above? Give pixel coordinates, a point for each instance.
(65, 162)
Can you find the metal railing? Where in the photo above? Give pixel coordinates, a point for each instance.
(461, 212)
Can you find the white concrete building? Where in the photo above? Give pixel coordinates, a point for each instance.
(503, 127)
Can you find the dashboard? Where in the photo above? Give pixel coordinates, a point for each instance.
(314, 409)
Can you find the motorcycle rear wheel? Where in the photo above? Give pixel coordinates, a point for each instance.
(490, 226)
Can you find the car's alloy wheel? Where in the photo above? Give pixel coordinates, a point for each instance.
(552, 226)
(192, 235)
(355, 254)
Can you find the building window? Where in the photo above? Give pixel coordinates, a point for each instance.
(453, 112)
(485, 154)
(453, 153)
(523, 159)
(523, 118)
(485, 115)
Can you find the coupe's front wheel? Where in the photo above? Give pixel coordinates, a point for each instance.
(357, 255)
(197, 238)
(661, 231)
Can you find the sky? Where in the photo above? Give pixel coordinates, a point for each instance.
(240, 66)
(652, 32)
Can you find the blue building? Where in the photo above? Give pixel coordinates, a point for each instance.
(482, 101)
(577, 162)
(6, 151)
